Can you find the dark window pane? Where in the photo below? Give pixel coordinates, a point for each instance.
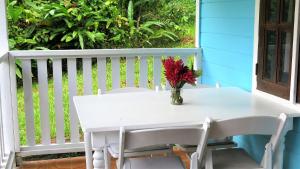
(270, 58)
(288, 11)
(286, 43)
(272, 10)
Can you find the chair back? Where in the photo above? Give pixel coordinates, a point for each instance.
(158, 136)
(257, 125)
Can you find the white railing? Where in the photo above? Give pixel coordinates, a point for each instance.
(6, 155)
(95, 65)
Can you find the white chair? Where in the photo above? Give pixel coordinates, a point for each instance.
(151, 137)
(226, 142)
(113, 149)
(237, 158)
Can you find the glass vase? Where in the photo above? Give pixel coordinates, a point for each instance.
(176, 98)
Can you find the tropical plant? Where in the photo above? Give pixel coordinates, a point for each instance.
(79, 24)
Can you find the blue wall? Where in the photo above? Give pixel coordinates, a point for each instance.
(227, 28)
(227, 41)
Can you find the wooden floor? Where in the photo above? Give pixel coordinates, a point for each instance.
(77, 163)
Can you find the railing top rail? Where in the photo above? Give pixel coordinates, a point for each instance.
(29, 54)
(3, 56)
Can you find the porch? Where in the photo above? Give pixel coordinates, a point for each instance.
(51, 125)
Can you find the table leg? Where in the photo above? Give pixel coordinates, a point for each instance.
(279, 154)
(88, 150)
(98, 158)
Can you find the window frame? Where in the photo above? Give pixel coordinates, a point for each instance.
(292, 101)
(273, 86)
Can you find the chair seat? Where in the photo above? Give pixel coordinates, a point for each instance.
(114, 150)
(212, 143)
(129, 90)
(171, 162)
(233, 158)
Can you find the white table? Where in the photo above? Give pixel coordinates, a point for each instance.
(101, 116)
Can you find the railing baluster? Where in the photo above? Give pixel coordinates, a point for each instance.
(87, 76)
(143, 72)
(44, 101)
(185, 59)
(28, 102)
(72, 75)
(115, 64)
(59, 110)
(130, 71)
(101, 63)
(157, 71)
(1, 134)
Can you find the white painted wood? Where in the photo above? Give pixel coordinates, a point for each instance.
(115, 66)
(72, 85)
(87, 76)
(44, 101)
(58, 97)
(157, 70)
(279, 153)
(98, 159)
(101, 63)
(102, 53)
(260, 125)
(160, 136)
(143, 72)
(3, 56)
(185, 59)
(130, 62)
(130, 90)
(277, 100)
(7, 110)
(51, 149)
(295, 55)
(88, 150)
(2, 151)
(3, 28)
(255, 45)
(28, 102)
(197, 24)
(223, 103)
(14, 102)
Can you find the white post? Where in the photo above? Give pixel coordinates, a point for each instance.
(5, 87)
(198, 56)
(197, 25)
(3, 27)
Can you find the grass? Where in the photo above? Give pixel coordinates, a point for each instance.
(186, 41)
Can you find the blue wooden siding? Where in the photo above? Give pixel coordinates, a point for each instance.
(227, 28)
(227, 41)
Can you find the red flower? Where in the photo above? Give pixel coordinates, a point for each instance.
(178, 74)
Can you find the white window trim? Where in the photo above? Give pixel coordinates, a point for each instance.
(291, 103)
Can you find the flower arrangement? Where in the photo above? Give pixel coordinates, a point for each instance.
(178, 75)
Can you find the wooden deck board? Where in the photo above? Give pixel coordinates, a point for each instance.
(77, 163)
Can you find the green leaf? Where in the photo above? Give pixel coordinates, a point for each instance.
(69, 24)
(81, 42)
(14, 12)
(130, 14)
(52, 12)
(18, 72)
(91, 36)
(75, 33)
(100, 36)
(69, 38)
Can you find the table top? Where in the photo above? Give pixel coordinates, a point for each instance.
(108, 112)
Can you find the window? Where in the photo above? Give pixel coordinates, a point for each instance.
(275, 47)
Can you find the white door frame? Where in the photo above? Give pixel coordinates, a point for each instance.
(292, 101)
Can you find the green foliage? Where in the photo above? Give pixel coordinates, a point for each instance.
(81, 24)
